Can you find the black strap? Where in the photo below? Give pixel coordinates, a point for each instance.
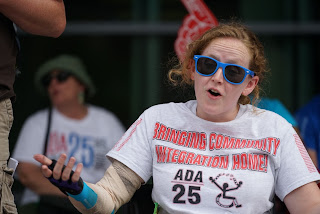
(46, 140)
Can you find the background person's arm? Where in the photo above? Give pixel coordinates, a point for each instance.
(39, 17)
(30, 176)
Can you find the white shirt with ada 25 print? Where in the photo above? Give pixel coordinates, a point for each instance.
(88, 140)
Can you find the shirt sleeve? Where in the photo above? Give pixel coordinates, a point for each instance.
(296, 168)
(134, 150)
(117, 129)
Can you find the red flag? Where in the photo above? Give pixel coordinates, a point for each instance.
(199, 20)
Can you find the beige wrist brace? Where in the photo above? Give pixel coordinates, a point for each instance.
(116, 188)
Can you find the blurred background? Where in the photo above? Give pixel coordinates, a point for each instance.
(126, 46)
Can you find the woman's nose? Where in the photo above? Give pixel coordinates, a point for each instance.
(53, 82)
(218, 76)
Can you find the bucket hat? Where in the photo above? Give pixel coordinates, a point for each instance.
(68, 63)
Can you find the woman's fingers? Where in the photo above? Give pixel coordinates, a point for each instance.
(77, 172)
(57, 170)
(42, 159)
(46, 171)
(45, 163)
(66, 172)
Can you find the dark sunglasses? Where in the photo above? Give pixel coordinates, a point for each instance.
(60, 77)
(232, 73)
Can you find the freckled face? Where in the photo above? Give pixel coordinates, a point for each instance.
(218, 99)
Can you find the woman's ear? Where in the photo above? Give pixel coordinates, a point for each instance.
(192, 73)
(192, 69)
(250, 86)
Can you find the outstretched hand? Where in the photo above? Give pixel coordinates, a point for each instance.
(58, 171)
(67, 180)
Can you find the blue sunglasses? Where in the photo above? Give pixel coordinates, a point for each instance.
(232, 73)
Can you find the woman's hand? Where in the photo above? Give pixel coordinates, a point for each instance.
(57, 172)
(67, 180)
(61, 175)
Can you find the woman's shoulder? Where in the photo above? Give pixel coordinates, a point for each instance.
(264, 115)
(98, 110)
(99, 114)
(40, 114)
(171, 107)
(37, 118)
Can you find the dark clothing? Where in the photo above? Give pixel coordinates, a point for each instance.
(8, 55)
(308, 118)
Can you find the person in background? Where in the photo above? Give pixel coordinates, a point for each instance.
(69, 126)
(308, 118)
(215, 154)
(275, 105)
(45, 18)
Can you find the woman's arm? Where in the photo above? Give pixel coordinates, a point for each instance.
(40, 17)
(305, 199)
(115, 189)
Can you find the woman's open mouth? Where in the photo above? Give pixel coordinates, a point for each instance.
(214, 93)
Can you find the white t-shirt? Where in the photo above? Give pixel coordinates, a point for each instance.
(204, 167)
(88, 140)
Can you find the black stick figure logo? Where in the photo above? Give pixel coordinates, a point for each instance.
(225, 188)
